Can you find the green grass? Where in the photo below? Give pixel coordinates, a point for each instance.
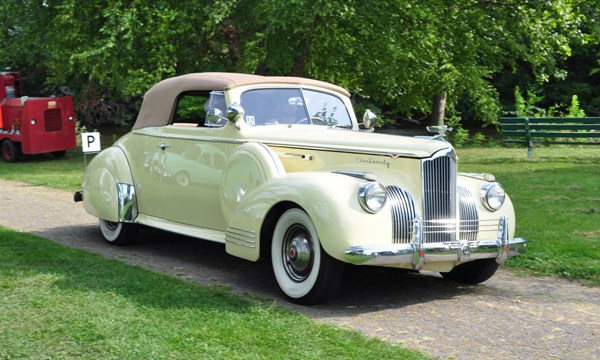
(63, 303)
(556, 196)
(65, 173)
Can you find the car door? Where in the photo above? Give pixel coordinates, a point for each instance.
(195, 155)
(147, 161)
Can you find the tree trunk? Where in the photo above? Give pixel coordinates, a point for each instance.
(231, 35)
(438, 109)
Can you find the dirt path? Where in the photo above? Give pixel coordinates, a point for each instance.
(507, 317)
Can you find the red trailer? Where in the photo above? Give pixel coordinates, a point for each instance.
(33, 125)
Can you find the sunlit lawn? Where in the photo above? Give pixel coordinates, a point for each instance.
(557, 199)
(63, 303)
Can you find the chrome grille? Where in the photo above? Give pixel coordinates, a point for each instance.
(469, 218)
(52, 120)
(404, 212)
(439, 199)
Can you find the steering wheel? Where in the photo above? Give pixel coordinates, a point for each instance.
(312, 120)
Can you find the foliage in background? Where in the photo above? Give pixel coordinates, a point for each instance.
(527, 106)
(409, 58)
(575, 110)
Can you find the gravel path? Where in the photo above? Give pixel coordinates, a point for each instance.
(507, 317)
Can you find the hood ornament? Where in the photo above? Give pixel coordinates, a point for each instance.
(441, 131)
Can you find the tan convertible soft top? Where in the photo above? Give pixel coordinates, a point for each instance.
(159, 101)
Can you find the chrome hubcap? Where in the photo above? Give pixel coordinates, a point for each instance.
(297, 253)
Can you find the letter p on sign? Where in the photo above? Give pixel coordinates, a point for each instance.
(90, 142)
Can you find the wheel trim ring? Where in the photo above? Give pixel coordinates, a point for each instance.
(110, 230)
(111, 225)
(297, 253)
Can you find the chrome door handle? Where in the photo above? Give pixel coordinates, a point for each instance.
(163, 146)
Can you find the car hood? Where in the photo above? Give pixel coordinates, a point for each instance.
(344, 140)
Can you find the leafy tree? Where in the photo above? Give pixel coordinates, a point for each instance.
(409, 58)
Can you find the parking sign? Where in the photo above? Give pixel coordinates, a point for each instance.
(90, 142)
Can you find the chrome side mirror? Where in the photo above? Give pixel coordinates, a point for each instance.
(235, 113)
(215, 115)
(369, 120)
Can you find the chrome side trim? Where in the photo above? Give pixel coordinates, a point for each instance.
(364, 151)
(127, 211)
(288, 145)
(357, 174)
(419, 253)
(241, 237)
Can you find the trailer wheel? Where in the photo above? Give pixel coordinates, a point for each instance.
(11, 152)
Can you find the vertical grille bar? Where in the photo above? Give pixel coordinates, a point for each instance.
(469, 218)
(439, 199)
(403, 213)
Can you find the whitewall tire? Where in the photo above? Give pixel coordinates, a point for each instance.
(117, 233)
(305, 273)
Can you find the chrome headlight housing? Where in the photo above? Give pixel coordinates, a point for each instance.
(372, 196)
(492, 196)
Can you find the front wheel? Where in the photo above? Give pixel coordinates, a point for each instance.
(117, 233)
(473, 272)
(306, 274)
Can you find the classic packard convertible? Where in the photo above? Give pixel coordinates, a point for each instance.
(280, 167)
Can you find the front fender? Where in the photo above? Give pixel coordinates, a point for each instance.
(329, 199)
(108, 189)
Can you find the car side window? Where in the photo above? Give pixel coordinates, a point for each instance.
(328, 109)
(190, 110)
(273, 106)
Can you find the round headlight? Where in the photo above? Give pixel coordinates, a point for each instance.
(492, 196)
(372, 196)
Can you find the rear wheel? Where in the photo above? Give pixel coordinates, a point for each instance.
(306, 274)
(473, 272)
(11, 152)
(117, 233)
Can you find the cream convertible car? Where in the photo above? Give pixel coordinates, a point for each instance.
(280, 166)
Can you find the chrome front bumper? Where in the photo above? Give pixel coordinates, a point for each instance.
(417, 252)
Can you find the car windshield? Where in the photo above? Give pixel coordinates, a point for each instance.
(294, 106)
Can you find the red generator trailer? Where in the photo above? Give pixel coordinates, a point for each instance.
(33, 125)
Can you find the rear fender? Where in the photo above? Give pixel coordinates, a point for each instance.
(108, 188)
